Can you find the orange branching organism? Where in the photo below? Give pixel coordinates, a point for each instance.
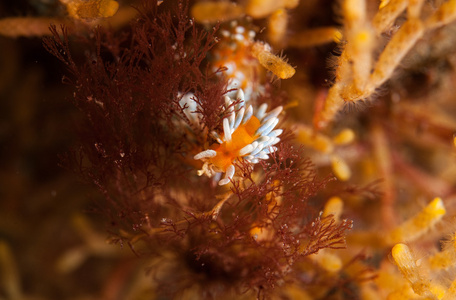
(228, 170)
(357, 74)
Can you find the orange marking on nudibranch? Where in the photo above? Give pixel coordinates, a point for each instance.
(241, 137)
(245, 137)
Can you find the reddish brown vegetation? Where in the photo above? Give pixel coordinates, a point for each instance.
(137, 146)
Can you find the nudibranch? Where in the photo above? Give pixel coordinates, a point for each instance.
(233, 52)
(247, 135)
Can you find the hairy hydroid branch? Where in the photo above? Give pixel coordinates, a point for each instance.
(356, 80)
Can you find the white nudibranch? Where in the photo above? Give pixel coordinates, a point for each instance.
(246, 136)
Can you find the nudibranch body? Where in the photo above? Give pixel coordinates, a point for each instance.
(234, 53)
(246, 136)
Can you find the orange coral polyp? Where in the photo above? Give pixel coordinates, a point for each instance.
(229, 150)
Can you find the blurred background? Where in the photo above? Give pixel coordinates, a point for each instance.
(49, 248)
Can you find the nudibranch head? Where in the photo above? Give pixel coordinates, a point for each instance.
(233, 51)
(247, 135)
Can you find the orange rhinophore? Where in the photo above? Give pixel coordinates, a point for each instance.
(273, 63)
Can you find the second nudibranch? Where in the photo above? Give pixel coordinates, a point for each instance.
(247, 135)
